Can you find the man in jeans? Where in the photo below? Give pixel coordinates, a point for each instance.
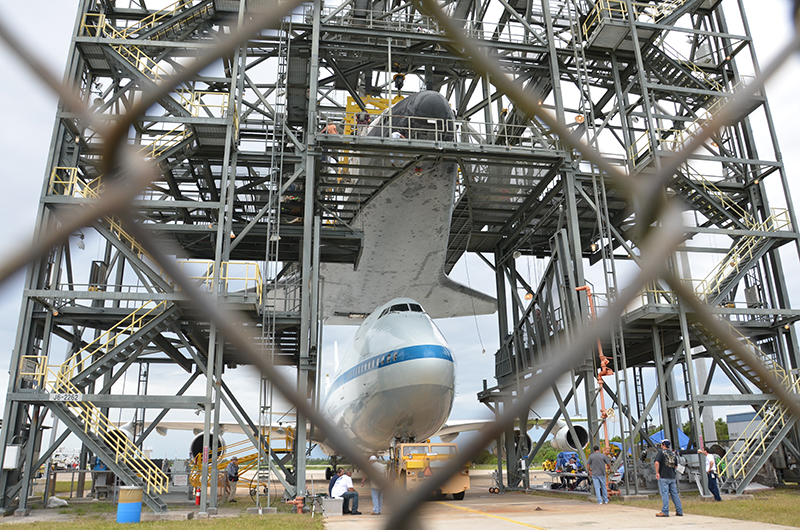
(343, 489)
(667, 484)
(597, 463)
(712, 473)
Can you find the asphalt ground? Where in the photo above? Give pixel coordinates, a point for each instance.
(480, 510)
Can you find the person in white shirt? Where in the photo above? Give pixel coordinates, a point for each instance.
(343, 489)
(378, 470)
(711, 472)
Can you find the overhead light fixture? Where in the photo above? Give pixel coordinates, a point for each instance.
(756, 181)
(786, 326)
(357, 316)
(233, 235)
(714, 144)
(528, 296)
(593, 247)
(517, 254)
(579, 118)
(55, 312)
(274, 237)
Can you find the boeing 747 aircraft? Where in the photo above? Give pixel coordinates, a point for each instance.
(397, 380)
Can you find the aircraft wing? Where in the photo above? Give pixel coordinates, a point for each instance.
(453, 428)
(276, 431)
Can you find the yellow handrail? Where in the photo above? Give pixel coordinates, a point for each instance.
(618, 9)
(244, 451)
(246, 273)
(109, 340)
(727, 203)
(96, 423)
(769, 419)
(740, 256)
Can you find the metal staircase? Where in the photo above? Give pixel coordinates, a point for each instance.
(772, 422)
(721, 352)
(704, 197)
(753, 448)
(115, 450)
(118, 343)
(740, 259)
(86, 420)
(669, 68)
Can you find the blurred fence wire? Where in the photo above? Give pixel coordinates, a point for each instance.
(659, 220)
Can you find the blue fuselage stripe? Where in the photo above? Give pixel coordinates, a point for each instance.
(423, 351)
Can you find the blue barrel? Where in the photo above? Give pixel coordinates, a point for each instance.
(129, 509)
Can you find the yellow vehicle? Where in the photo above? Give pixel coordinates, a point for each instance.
(414, 463)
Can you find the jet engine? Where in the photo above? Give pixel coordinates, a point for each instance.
(501, 451)
(564, 441)
(196, 447)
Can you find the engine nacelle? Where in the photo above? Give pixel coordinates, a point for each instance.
(564, 441)
(501, 450)
(196, 447)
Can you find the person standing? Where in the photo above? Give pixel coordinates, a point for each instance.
(343, 489)
(377, 470)
(666, 461)
(598, 463)
(232, 472)
(712, 473)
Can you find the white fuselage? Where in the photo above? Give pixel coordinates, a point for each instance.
(397, 380)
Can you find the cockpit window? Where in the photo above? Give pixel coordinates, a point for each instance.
(402, 308)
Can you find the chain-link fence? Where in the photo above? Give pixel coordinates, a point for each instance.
(659, 227)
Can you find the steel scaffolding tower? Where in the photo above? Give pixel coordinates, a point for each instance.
(251, 201)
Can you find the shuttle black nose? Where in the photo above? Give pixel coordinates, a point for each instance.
(431, 104)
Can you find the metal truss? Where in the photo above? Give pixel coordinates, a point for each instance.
(610, 140)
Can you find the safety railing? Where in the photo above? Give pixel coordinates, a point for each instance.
(654, 296)
(236, 277)
(758, 435)
(675, 139)
(97, 424)
(144, 24)
(695, 70)
(33, 368)
(96, 25)
(204, 104)
(725, 201)
(111, 338)
(355, 122)
(245, 453)
(740, 256)
(66, 181)
(164, 142)
(618, 10)
(162, 18)
(56, 379)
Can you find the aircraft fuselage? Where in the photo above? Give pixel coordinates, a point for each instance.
(397, 381)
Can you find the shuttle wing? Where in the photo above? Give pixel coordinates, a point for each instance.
(406, 227)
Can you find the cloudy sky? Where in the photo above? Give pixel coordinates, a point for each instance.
(29, 109)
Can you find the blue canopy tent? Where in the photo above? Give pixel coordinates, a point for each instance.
(683, 439)
(564, 456)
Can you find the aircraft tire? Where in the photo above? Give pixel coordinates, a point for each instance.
(328, 473)
(458, 496)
